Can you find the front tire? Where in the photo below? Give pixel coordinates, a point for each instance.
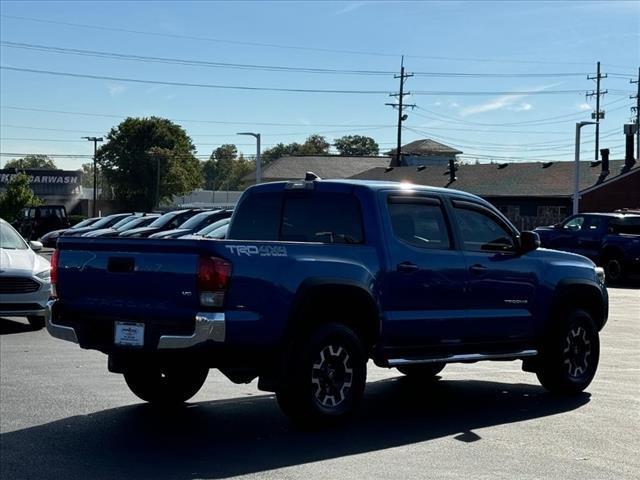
(614, 269)
(165, 385)
(325, 377)
(37, 323)
(569, 358)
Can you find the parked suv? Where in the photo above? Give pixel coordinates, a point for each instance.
(34, 222)
(611, 240)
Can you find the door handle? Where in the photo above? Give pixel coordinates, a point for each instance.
(407, 267)
(478, 269)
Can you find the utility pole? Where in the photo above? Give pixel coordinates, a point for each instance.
(637, 110)
(95, 141)
(597, 115)
(395, 162)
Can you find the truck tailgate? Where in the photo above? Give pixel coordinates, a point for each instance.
(153, 282)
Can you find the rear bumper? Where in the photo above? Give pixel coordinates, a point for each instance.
(208, 327)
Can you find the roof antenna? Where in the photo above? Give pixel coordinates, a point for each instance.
(310, 177)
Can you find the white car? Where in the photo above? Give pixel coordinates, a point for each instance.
(25, 282)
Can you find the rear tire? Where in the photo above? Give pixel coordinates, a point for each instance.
(325, 377)
(425, 371)
(165, 385)
(614, 268)
(569, 358)
(37, 323)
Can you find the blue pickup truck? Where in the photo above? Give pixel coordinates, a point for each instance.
(611, 240)
(315, 278)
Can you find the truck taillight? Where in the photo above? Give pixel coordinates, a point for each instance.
(213, 280)
(54, 273)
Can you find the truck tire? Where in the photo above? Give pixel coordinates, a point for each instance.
(165, 385)
(614, 268)
(569, 358)
(325, 376)
(37, 323)
(425, 371)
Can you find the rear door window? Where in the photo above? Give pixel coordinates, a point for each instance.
(419, 222)
(325, 218)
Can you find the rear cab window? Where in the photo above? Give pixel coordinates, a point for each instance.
(299, 217)
(322, 217)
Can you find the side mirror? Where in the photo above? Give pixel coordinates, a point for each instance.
(557, 226)
(529, 241)
(35, 246)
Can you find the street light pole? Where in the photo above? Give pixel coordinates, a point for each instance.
(95, 141)
(258, 162)
(576, 175)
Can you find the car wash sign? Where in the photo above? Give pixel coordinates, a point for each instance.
(46, 182)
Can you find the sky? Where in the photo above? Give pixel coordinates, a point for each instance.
(502, 81)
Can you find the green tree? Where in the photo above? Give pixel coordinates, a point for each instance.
(87, 176)
(140, 149)
(356, 145)
(31, 161)
(224, 169)
(313, 145)
(16, 197)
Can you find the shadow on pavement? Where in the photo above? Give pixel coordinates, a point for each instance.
(7, 327)
(247, 435)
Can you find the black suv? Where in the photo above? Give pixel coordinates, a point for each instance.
(34, 222)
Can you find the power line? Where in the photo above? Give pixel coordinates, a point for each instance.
(291, 47)
(214, 122)
(210, 135)
(539, 121)
(274, 68)
(280, 89)
(187, 84)
(187, 62)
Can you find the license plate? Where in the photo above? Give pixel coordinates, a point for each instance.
(129, 334)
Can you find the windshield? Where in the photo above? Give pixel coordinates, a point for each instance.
(9, 238)
(196, 220)
(219, 232)
(85, 223)
(137, 222)
(213, 226)
(107, 221)
(164, 219)
(124, 221)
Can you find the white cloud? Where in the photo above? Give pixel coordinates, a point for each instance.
(454, 105)
(523, 107)
(437, 103)
(583, 107)
(350, 7)
(497, 103)
(115, 89)
(504, 101)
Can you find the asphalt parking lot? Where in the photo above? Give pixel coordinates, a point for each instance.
(62, 415)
